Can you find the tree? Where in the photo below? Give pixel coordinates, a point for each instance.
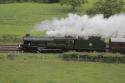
(40, 1)
(107, 7)
(49, 1)
(5, 1)
(73, 3)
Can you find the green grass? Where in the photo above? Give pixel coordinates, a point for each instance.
(20, 18)
(49, 68)
(17, 19)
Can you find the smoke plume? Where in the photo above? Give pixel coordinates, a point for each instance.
(85, 26)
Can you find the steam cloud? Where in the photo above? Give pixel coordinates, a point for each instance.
(85, 26)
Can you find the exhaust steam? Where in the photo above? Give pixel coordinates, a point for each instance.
(85, 26)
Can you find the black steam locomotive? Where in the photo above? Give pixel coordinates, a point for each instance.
(60, 44)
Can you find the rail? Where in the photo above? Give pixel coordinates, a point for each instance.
(9, 47)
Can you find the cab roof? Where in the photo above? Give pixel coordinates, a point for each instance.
(117, 39)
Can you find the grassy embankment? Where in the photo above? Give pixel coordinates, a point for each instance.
(50, 68)
(17, 19)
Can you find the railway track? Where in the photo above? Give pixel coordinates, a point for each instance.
(5, 48)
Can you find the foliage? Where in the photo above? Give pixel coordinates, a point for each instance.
(5, 1)
(73, 3)
(50, 1)
(11, 56)
(107, 7)
(44, 1)
(94, 57)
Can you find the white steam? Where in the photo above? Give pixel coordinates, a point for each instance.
(84, 26)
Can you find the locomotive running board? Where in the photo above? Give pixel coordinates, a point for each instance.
(49, 50)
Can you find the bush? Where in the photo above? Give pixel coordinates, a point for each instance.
(50, 1)
(70, 55)
(6, 1)
(107, 7)
(11, 56)
(41, 1)
(94, 57)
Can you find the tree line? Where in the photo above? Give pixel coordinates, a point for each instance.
(105, 7)
(42, 1)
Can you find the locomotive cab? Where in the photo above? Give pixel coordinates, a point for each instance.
(91, 44)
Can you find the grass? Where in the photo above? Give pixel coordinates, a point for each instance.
(49, 68)
(21, 18)
(17, 19)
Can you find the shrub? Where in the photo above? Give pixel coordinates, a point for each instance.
(107, 7)
(11, 56)
(70, 55)
(6, 1)
(43, 1)
(94, 57)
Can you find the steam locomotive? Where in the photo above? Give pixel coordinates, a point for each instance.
(60, 44)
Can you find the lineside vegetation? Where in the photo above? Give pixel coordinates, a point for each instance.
(50, 68)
